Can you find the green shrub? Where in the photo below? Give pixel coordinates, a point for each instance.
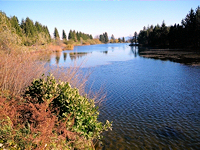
(71, 105)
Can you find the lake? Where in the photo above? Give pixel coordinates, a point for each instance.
(153, 104)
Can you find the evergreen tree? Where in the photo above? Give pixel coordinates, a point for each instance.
(56, 34)
(15, 24)
(189, 23)
(112, 37)
(178, 36)
(29, 28)
(70, 35)
(22, 24)
(102, 38)
(38, 26)
(106, 37)
(135, 37)
(74, 35)
(123, 40)
(197, 28)
(64, 37)
(30, 32)
(78, 36)
(46, 31)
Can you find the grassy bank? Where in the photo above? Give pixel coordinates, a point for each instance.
(189, 57)
(59, 45)
(41, 108)
(44, 112)
(49, 114)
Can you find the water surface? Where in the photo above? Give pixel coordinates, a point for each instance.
(153, 104)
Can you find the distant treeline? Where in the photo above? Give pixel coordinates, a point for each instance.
(104, 39)
(119, 40)
(78, 36)
(28, 31)
(186, 35)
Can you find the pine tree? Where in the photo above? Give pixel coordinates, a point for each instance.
(38, 27)
(15, 24)
(123, 40)
(29, 28)
(48, 36)
(102, 38)
(56, 34)
(112, 37)
(64, 37)
(78, 36)
(106, 37)
(70, 35)
(135, 37)
(22, 24)
(74, 35)
(119, 40)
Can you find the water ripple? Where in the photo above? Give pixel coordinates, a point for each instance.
(156, 109)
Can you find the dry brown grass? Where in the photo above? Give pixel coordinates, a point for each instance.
(25, 63)
(73, 75)
(54, 48)
(37, 116)
(17, 71)
(44, 127)
(69, 47)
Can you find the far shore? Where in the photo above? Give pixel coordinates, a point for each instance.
(188, 57)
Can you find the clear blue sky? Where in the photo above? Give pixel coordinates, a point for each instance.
(120, 18)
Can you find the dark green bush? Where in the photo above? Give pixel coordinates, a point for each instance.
(71, 105)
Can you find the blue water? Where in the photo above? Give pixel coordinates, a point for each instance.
(153, 104)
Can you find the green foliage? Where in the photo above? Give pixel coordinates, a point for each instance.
(56, 34)
(15, 24)
(112, 37)
(104, 38)
(29, 28)
(14, 138)
(91, 37)
(184, 35)
(38, 26)
(64, 37)
(26, 33)
(78, 36)
(25, 125)
(123, 40)
(70, 35)
(154, 36)
(8, 36)
(71, 105)
(119, 40)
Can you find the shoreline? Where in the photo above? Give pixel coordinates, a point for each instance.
(176, 55)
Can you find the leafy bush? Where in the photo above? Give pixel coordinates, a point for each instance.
(71, 105)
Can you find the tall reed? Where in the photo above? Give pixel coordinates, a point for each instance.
(17, 71)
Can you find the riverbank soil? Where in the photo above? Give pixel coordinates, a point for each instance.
(182, 56)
